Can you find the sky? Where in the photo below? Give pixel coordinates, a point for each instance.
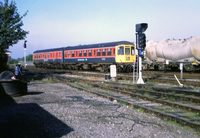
(60, 23)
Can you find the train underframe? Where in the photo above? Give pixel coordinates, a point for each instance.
(173, 66)
(102, 67)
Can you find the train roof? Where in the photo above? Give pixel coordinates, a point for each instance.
(48, 50)
(98, 45)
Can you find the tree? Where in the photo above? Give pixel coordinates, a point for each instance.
(28, 58)
(10, 25)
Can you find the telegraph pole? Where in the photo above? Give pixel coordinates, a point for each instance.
(140, 45)
(25, 53)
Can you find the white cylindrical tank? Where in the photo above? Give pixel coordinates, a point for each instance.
(174, 50)
(195, 49)
(151, 49)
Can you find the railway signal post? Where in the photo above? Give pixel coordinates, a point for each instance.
(140, 46)
(25, 53)
(181, 68)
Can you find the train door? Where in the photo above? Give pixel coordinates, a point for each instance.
(127, 53)
(119, 54)
(63, 55)
(133, 54)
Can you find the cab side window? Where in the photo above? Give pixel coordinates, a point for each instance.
(127, 51)
(132, 51)
(120, 50)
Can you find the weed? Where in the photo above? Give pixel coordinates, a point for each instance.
(140, 110)
(122, 102)
(47, 80)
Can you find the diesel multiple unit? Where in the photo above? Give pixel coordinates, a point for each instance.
(92, 57)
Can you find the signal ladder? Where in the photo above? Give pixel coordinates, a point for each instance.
(135, 69)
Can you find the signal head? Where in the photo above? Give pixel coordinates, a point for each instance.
(141, 27)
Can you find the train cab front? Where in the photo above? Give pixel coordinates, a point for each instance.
(125, 54)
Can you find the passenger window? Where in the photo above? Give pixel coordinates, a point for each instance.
(72, 53)
(85, 53)
(103, 52)
(132, 51)
(98, 52)
(68, 54)
(80, 53)
(127, 51)
(109, 52)
(90, 53)
(121, 50)
(113, 51)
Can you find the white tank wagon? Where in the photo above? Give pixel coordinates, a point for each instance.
(171, 52)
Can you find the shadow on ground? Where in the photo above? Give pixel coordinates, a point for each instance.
(28, 120)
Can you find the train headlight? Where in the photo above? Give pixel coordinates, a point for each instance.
(127, 58)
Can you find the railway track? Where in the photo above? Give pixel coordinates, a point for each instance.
(189, 79)
(193, 75)
(179, 105)
(147, 79)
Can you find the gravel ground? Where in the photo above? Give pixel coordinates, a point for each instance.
(57, 110)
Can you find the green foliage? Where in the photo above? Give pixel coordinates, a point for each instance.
(10, 25)
(13, 61)
(28, 58)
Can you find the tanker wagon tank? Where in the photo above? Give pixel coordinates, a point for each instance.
(170, 53)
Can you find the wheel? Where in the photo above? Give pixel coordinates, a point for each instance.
(128, 69)
(145, 67)
(156, 67)
(189, 68)
(161, 67)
